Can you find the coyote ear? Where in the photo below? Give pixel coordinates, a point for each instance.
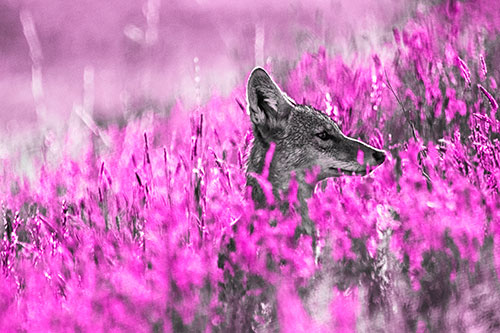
(267, 104)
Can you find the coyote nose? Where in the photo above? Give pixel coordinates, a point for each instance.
(379, 157)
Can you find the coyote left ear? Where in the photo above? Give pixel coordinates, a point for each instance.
(267, 104)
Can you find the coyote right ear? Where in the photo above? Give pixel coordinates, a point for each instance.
(268, 106)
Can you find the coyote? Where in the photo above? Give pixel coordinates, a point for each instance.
(306, 142)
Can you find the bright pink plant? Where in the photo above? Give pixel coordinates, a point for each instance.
(157, 232)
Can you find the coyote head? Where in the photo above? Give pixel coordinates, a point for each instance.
(305, 140)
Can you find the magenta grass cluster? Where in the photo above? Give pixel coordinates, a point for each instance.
(155, 231)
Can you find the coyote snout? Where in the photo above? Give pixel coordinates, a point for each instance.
(306, 141)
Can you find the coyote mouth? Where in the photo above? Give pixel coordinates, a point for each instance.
(357, 172)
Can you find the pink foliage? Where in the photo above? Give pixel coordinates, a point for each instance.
(153, 232)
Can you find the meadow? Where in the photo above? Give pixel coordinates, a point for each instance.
(151, 226)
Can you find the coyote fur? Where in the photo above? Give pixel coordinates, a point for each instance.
(305, 140)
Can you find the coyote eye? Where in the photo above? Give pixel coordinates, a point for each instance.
(323, 136)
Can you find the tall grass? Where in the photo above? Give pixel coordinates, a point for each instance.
(154, 230)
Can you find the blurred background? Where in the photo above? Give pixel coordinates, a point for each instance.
(95, 62)
(124, 52)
